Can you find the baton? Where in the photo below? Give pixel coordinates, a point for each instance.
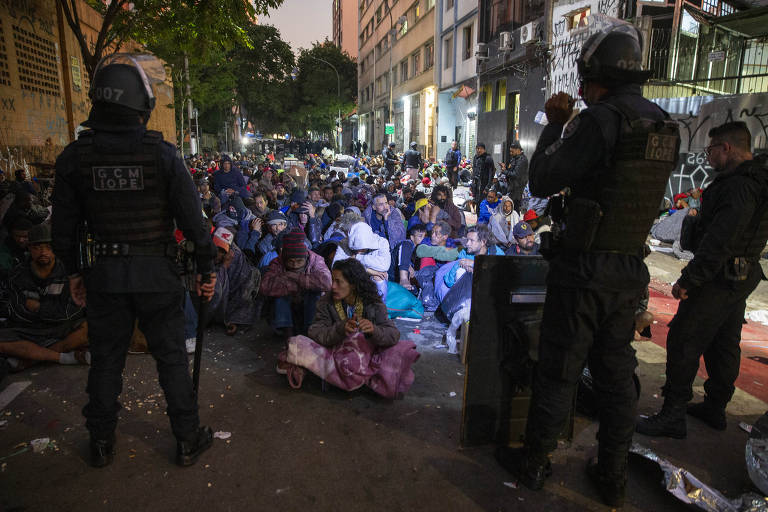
(202, 315)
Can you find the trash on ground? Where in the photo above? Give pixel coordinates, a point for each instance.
(39, 445)
(511, 485)
(756, 454)
(746, 427)
(690, 490)
(222, 435)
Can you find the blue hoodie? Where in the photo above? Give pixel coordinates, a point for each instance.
(232, 179)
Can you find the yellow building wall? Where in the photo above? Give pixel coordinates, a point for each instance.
(44, 84)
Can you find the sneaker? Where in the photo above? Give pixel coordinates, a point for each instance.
(191, 344)
(187, 452)
(669, 422)
(710, 414)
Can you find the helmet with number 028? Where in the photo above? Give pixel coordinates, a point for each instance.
(131, 80)
(613, 57)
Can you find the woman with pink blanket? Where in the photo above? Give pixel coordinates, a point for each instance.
(352, 341)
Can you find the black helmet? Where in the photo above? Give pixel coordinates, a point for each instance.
(414, 145)
(391, 144)
(127, 79)
(613, 57)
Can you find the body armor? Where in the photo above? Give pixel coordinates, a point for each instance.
(125, 197)
(412, 158)
(451, 158)
(629, 187)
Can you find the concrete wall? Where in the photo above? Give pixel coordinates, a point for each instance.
(44, 84)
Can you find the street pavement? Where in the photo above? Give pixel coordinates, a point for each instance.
(319, 448)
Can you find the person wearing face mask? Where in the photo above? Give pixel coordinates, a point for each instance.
(621, 146)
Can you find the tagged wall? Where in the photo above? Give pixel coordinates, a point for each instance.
(44, 85)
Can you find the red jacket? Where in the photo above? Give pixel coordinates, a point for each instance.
(315, 277)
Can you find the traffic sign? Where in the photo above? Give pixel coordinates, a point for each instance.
(389, 129)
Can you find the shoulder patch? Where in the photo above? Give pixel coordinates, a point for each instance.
(571, 127)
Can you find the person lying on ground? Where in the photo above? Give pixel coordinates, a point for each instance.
(45, 323)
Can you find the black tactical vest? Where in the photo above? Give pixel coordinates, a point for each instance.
(125, 197)
(755, 235)
(632, 184)
(412, 158)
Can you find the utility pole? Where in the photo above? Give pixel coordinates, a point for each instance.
(192, 140)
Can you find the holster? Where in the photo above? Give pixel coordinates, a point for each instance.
(737, 269)
(86, 245)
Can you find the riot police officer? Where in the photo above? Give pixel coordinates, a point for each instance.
(731, 230)
(412, 161)
(390, 159)
(621, 146)
(130, 187)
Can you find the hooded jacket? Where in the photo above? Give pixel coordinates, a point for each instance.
(362, 237)
(501, 224)
(315, 277)
(232, 179)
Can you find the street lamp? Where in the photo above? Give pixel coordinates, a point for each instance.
(393, 32)
(338, 94)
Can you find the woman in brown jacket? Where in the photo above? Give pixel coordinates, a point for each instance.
(352, 306)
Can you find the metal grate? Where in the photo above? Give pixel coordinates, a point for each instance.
(5, 74)
(37, 59)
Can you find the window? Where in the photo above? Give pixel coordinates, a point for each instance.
(501, 95)
(430, 4)
(378, 15)
(415, 63)
(404, 71)
(448, 5)
(429, 55)
(578, 19)
(487, 98)
(467, 53)
(448, 52)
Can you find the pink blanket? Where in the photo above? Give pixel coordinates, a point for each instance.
(357, 362)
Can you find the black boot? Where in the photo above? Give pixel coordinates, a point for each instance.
(669, 422)
(610, 486)
(188, 451)
(709, 413)
(102, 451)
(530, 470)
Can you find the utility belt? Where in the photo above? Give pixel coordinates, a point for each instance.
(114, 249)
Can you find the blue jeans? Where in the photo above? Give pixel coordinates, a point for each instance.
(299, 316)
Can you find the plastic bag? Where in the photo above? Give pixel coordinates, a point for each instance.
(402, 303)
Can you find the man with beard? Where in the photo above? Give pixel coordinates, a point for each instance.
(730, 233)
(46, 324)
(526, 241)
(446, 210)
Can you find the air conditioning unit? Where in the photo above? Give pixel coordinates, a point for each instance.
(527, 35)
(506, 43)
(481, 51)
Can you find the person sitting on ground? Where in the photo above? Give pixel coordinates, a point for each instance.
(479, 242)
(371, 250)
(503, 221)
(538, 224)
(487, 207)
(295, 281)
(404, 260)
(45, 323)
(237, 283)
(24, 206)
(228, 181)
(405, 202)
(525, 241)
(352, 341)
(385, 221)
(210, 203)
(282, 199)
(259, 206)
(267, 246)
(442, 198)
(434, 252)
(13, 250)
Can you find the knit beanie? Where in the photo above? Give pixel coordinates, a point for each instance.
(293, 245)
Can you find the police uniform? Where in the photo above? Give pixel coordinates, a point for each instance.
(390, 160)
(731, 232)
(452, 159)
(412, 162)
(616, 157)
(129, 185)
(482, 175)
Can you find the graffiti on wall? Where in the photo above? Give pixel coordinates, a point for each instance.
(694, 129)
(692, 171)
(567, 42)
(25, 12)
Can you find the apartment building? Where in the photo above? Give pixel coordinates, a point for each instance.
(345, 26)
(396, 73)
(456, 75)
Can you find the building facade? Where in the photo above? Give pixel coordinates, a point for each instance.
(396, 74)
(345, 26)
(44, 84)
(456, 75)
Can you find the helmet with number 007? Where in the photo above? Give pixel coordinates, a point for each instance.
(613, 56)
(128, 79)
